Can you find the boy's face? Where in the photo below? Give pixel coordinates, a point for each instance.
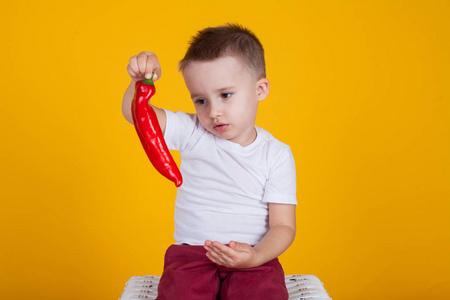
(226, 95)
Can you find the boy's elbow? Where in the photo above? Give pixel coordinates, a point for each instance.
(130, 120)
(292, 231)
(127, 115)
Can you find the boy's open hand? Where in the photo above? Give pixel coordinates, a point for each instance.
(142, 66)
(236, 255)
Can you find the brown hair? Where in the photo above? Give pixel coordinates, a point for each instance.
(228, 40)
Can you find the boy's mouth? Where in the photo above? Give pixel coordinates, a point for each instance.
(220, 127)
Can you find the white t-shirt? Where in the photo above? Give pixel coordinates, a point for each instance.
(226, 187)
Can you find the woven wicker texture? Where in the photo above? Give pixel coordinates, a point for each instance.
(300, 287)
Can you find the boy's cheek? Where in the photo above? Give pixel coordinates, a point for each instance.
(203, 120)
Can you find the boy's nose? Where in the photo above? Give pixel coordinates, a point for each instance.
(215, 111)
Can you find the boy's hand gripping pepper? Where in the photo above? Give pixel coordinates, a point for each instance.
(150, 134)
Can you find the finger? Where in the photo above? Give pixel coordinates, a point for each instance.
(207, 244)
(133, 66)
(215, 251)
(157, 72)
(213, 258)
(131, 72)
(219, 259)
(226, 250)
(152, 67)
(223, 251)
(142, 62)
(212, 250)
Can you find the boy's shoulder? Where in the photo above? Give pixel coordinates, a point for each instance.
(270, 139)
(278, 156)
(274, 150)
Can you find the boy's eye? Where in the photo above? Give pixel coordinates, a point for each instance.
(200, 101)
(226, 95)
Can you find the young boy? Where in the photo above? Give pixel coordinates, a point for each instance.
(235, 212)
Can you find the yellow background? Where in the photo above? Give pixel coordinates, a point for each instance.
(359, 89)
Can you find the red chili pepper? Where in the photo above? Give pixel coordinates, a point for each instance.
(150, 134)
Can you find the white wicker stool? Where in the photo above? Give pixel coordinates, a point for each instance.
(300, 287)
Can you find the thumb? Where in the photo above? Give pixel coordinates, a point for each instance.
(236, 245)
(156, 74)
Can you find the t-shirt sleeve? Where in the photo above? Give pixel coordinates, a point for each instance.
(281, 187)
(180, 127)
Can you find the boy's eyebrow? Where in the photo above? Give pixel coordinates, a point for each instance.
(217, 91)
(194, 96)
(224, 89)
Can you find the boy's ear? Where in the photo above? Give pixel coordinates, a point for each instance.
(262, 88)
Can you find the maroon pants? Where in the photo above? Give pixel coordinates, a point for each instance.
(190, 275)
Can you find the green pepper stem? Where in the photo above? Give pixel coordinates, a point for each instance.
(148, 81)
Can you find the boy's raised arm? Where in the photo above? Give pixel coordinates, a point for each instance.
(126, 102)
(142, 66)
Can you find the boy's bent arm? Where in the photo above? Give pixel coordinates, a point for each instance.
(126, 107)
(279, 237)
(281, 234)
